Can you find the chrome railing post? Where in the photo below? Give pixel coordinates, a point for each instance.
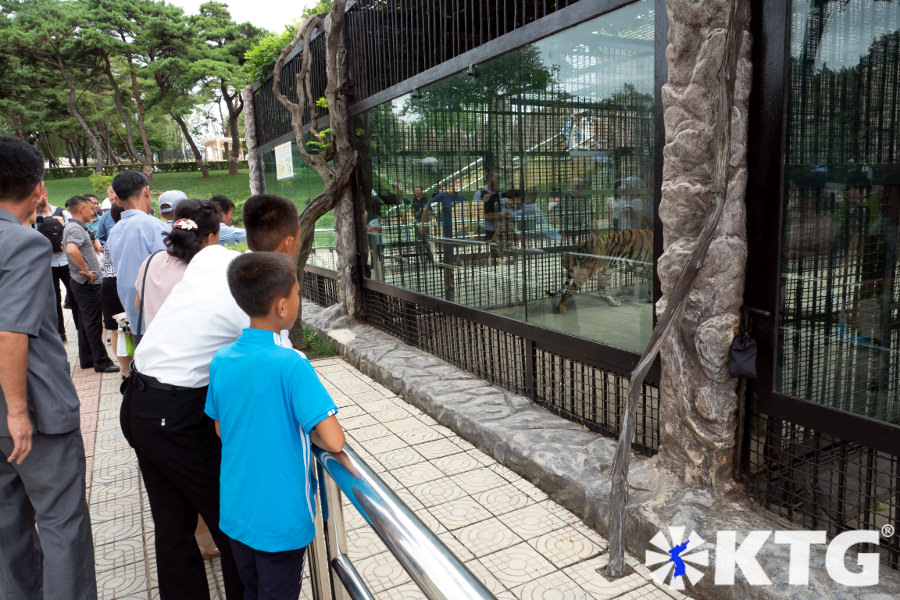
(437, 572)
(317, 553)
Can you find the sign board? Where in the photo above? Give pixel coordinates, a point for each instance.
(284, 161)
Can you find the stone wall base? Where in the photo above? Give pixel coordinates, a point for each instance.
(571, 464)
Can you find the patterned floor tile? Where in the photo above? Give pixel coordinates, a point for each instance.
(381, 572)
(530, 490)
(565, 547)
(401, 426)
(114, 506)
(486, 577)
(481, 457)
(532, 521)
(438, 448)
(459, 513)
(122, 581)
(370, 433)
(401, 457)
(555, 586)
(410, 500)
(121, 527)
(478, 481)
(591, 575)
(350, 411)
(385, 410)
(437, 492)
(351, 423)
(456, 463)
(650, 592)
(382, 444)
(486, 537)
(517, 565)
(364, 542)
(121, 552)
(416, 474)
(503, 499)
(461, 552)
(407, 591)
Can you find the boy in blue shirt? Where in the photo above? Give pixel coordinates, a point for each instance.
(268, 405)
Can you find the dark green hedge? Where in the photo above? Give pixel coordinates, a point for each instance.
(160, 167)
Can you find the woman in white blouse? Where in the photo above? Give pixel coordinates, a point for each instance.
(195, 226)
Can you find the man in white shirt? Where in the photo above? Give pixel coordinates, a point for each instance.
(163, 406)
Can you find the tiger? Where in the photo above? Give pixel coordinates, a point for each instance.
(631, 248)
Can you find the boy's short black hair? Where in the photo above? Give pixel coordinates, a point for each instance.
(128, 184)
(258, 279)
(223, 203)
(269, 219)
(21, 168)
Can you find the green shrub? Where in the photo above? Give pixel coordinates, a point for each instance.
(315, 346)
(100, 183)
(160, 167)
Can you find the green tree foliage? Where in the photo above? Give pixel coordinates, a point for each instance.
(104, 79)
(262, 56)
(497, 78)
(224, 44)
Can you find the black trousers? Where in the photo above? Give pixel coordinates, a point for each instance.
(269, 575)
(61, 274)
(91, 349)
(179, 455)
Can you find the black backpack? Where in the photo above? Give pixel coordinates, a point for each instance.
(52, 229)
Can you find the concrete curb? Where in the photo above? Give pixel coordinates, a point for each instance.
(570, 463)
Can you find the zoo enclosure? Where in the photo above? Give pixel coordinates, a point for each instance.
(820, 426)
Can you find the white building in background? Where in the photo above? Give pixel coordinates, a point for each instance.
(218, 148)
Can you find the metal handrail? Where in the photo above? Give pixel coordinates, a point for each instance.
(438, 573)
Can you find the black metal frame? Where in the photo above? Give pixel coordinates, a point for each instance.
(794, 449)
(572, 377)
(554, 21)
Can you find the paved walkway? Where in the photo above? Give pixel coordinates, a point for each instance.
(516, 540)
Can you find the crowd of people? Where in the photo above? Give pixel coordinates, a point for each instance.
(216, 402)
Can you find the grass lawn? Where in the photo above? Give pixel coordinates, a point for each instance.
(236, 187)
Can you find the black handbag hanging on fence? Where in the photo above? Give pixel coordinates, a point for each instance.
(743, 356)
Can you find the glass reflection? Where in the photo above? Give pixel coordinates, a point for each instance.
(524, 185)
(840, 325)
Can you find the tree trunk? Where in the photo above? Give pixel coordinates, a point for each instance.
(704, 177)
(345, 247)
(129, 151)
(184, 130)
(254, 160)
(126, 119)
(147, 161)
(17, 124)
(235, 104)
(337, 163)
(103, 128)
(72, 156)
(92, 139)
(47, 149)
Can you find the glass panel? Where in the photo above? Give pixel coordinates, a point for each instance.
(300, 185)
(525, 183)
(840, 319)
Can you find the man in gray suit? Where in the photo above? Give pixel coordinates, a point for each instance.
(42, 464)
